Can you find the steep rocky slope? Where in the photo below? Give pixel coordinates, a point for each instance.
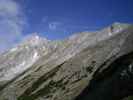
(39, 69)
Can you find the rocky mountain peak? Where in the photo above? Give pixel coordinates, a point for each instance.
(116, 27)
(39, 69)
(34, 40)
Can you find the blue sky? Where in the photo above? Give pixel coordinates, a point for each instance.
(58, 19)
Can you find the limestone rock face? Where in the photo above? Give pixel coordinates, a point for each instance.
(39, 69)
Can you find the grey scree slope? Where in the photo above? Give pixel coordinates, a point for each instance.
(40, 69)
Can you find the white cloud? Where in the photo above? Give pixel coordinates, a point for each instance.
(54, 25)
(44, 19)
(12, 22)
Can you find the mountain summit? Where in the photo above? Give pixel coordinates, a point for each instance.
(85, 65)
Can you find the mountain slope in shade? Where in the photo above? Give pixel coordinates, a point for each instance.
(40, 69)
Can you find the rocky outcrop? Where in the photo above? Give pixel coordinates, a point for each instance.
(82, 66)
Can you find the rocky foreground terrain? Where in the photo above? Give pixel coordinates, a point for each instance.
(86, 66)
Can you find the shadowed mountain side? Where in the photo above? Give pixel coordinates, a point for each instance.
(113, 83)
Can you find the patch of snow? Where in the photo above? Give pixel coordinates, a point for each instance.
(35, 56)
(110, 34)
(118, 30)
(37, 37)
(18, 69)
(26, 47)
(124, 73)
(13, 49)
(11, 73)
(130, 67)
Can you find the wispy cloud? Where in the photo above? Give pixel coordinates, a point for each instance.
(12, 22)
(44, 19)
(54, 25)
